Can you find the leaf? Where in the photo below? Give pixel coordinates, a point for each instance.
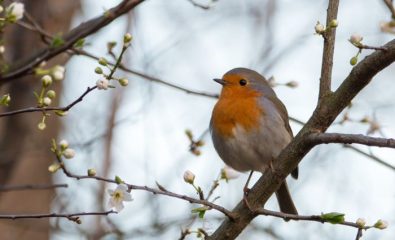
(161, 187)
(333, 217)
(80, 43)
(57, 41)
(200, 211)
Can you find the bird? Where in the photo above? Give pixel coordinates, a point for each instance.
(250, 127)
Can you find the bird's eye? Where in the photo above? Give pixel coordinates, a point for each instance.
(243, 82)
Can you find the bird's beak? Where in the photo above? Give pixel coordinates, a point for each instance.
(220, 81)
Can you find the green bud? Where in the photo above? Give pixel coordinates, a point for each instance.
(127, 38)
(353, 60)
(98, 70)
(5, 100)
(123, 82)
(103, 61)
(51, 94)
(91, 172)
(41, 126)
(118, 180)
(61, 113)
(333, 23)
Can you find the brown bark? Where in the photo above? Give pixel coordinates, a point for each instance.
(24, 149)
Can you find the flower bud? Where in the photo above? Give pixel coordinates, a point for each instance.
(5, 100)
(229, 173)
(51, 94)
(47, 101)
(333, 23)
(54, 167)
(353, 60)
(61, 113)
(319, 28)
(123, 82)
(58, 72)
(189, 177)
(91, 172)
(63, 144)
(381, 224)
(127, 38)
(15, 11)
(118, 180)
(2, 49)
(98, 70)
(103, 61)
(1, 9)
(46, 80)
(41, 126)
(361, 222)
(69, 153)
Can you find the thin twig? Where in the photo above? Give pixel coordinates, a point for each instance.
(31, 187)
(329, 48)
(161, 191)
(72, 217)
(48, 109)
(313, 218)
(325, 138)
(199, 5)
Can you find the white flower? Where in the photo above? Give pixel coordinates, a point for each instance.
(118, 196)
(41, 125)
(102, 84)
(229, 173)
(361, 222)
(189, 177)
(1, 9)
(69, 153)
(58, 72)
(356, 39)
(381, 224)
(47, 101)
(2, 49)
(16, 10)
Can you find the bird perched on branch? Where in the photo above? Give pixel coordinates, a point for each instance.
(250, 127)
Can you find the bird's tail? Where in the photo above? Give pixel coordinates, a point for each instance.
(284, 200)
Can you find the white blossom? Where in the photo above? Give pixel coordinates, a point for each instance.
(16, 10)
(356, 39)
(118, 196)
(64, 144)
(381, 224)
(361, 222)
(102, 84)
(319, 28)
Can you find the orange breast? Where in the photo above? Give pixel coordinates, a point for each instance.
(236, 108)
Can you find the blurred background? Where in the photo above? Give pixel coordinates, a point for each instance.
(138, 132)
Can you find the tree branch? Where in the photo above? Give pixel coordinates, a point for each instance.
(390, 7)
(72, 217)
(160, 191)
(313, 218)
(325, 138)
(48, 109)
(83, 30)
(329, 48)
(31, 187)
(323, 116)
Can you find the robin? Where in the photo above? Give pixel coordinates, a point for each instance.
(250, 127)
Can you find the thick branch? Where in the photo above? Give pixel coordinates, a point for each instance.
(329, 48)
(83, 30)
(325, 113)
(325, 138)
